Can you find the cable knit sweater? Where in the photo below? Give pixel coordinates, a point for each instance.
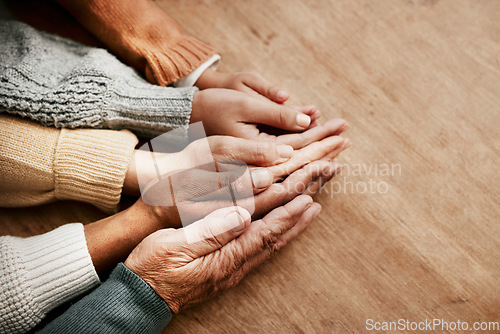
(61, 83)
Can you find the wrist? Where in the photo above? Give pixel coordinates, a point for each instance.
(111, 239)
(208, 79)
(131, 183)
(196, 107)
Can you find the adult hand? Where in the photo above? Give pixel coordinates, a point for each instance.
(320, 142)
(145, 166)
(182, 198)
(233, 113)
(185, 273)
(201, 186)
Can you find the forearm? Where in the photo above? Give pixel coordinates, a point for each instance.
(111, 239)
(143, 35)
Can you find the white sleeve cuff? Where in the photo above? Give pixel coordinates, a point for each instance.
(190, 79)
(42, 272)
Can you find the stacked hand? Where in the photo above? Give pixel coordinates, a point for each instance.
(235, 103)
(228, 244)
(194, 186)
(184, 273)
(198, 235)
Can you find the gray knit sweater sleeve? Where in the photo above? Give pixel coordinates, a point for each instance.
(61, 83)
(123, 304)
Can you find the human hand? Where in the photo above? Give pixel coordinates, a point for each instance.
(199, 185)
(251, 83)
(184, 273)
(145, 165)
(274, 151)
(233, 113)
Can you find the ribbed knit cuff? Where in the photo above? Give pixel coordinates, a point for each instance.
(190, 79)
(58, 266)
(147, 110)
(182, 58)
(122, 304)
(90, 165)
(40, 273)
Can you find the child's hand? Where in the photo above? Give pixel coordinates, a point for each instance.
(233, 113)
(250, 83)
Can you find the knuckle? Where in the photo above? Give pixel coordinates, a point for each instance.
(240, 184)
(211, 237)
(269, 240)
(270, 91)
(230, 265)
(261, 153)
(216, 144)
(282, 117)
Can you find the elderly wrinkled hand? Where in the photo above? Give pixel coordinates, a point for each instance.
(224, 247)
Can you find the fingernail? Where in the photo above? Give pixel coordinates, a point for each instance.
(281, 94)
(261, 178)
(347, 143)
(317, 213)
(303, 120)
(284, 151)
(235, 222)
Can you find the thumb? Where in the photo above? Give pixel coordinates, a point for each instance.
(215, 230)
(278, 116)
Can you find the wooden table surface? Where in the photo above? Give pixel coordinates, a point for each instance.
(411, 229)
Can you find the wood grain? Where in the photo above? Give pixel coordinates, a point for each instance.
(419, 82)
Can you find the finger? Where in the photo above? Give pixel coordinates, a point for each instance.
(252, 152)
(192, 184)
(265, 232)
(262, 178)
(299, 140)
(309, 110)
(315, 151)
(234, 186)
(276, 115)
(337, 151)
(315, 186)
(250, 91)
(216, 230)
(304, 221)
(294, 185)
(265, 88)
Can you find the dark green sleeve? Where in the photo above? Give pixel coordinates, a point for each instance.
(122, 304)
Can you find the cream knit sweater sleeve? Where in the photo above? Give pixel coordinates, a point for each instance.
(42, 164)
(40, 273)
